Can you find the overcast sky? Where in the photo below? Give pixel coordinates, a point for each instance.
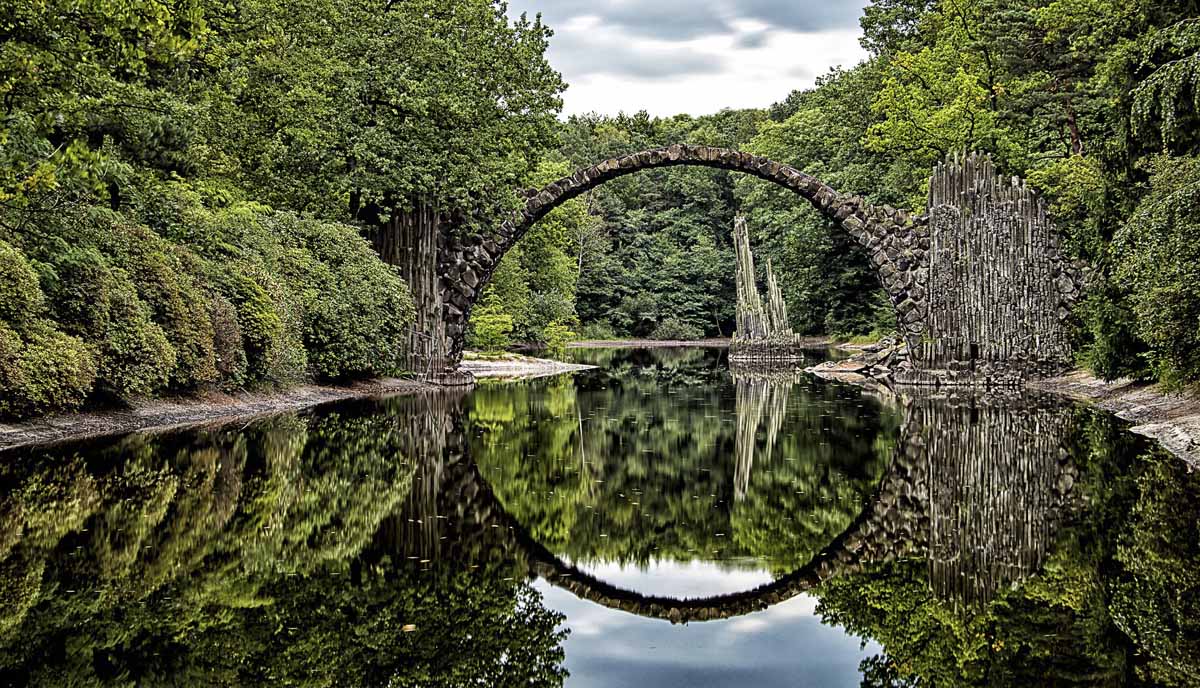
(693, 56)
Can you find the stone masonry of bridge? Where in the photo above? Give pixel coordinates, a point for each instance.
(896, 241)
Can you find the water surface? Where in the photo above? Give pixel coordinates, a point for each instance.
(660, 521)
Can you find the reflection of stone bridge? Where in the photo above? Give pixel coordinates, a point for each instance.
(976, 487)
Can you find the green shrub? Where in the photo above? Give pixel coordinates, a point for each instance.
(229, 355)
(21, 298)
(48, 371)
(557, 335)
(79, 287)
(598, 331)
(12, 374)
(59, 371)
(546, 309)
(135, 357)
(261, 326)
(675, 329)
(191, 299)
(176, 304)
(490, 329)
(357, 310)
(1161, 268)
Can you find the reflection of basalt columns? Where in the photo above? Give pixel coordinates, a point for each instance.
(442, 514)
(757, 396)
(999, 477)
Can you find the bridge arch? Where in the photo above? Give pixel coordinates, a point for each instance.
(896, 240)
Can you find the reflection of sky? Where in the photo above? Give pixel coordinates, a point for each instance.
(785, 645)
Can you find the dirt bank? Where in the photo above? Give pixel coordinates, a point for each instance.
(1171, 419)
(174, 413)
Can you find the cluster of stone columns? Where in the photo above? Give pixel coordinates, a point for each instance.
(763, 332)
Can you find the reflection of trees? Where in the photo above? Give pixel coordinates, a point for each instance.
(1107, 596)
(639, 462)
(231, 556)
(1155, 596)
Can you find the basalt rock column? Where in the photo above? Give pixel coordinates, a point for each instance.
(752, 322)
(777, 315)
(997, 288)
(411, 242)
(763, 333)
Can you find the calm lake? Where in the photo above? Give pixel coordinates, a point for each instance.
(661, 521)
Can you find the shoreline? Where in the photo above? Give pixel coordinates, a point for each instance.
(516, 366)
(1170, 418)
(176, 413)
(712, 343)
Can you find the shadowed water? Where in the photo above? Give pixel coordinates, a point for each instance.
(660, 521)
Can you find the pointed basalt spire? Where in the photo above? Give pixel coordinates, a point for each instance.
(751, 319)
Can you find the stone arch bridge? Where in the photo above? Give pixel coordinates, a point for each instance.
(980, 287)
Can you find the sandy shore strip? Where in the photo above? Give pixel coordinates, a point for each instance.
(809, 342)
(516, 366)
(163, 415)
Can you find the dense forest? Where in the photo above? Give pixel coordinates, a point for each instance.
(185, 187)
(189, 190)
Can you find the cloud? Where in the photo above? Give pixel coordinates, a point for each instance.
(751, 40)
(586, 53)
(688, 19)
(694, 56)
(803, 17)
